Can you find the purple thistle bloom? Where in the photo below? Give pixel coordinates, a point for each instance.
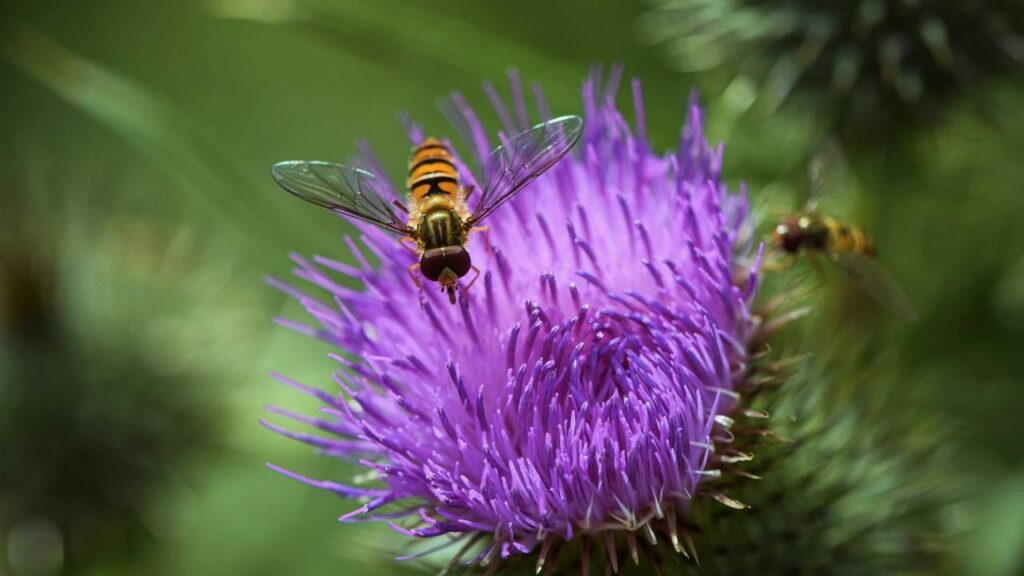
(580, 387)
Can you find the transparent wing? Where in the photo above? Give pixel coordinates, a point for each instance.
(823, 173)
(351, 191)
(875, 281)
(525, 157)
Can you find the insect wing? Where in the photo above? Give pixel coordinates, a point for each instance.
(875, 281)
(823, 173)
(351, 191)
(522, 159)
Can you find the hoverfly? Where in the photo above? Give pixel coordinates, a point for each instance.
(438, 221)
(813, 233)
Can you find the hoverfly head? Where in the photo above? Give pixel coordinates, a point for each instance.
(788, 236)
(445, 266)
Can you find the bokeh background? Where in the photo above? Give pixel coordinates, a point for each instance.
(139, 221)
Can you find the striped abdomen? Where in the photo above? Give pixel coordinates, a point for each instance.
(432, 173)
(844, 237)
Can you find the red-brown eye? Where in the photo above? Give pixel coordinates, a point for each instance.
(434, 261)
(789, 235)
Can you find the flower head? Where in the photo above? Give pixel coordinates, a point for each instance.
(580, 386)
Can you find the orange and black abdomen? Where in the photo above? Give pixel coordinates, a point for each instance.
(432, 172)
(843, 237)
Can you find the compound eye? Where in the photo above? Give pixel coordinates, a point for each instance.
(432, 264)
(457, 259)
(436, 260)
(791, 240)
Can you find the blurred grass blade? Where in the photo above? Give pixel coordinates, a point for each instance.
(166, 138)
(395, 30)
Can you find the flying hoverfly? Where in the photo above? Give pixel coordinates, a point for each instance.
(813, 233)
(438, 220)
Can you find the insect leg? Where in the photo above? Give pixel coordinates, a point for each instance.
(400, 206)
(779, 265)
(468, 192)
(405, 241)
(786, 263)
(485, 231)
(416, 280)
(471, 282)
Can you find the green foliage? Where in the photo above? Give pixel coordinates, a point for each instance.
(862, 64)
(834, 497)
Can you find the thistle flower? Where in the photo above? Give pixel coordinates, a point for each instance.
(583, 389)
(865, 62)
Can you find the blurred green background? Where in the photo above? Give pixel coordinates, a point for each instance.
(139, 220)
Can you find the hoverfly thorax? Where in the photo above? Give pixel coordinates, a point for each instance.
(439, 228)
